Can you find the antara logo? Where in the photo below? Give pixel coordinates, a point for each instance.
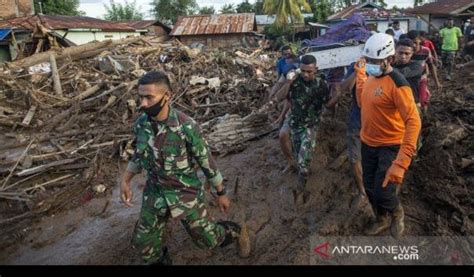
(323, 250)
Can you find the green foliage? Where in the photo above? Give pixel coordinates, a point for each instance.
(122, 12)
(321, 10)
(228, 8)
(417, 2)
(274, 31)
(245, 7)
(59, 7)
(168, 11)
(207, 10)
(284, 9)
(382, 3)
(258, 7)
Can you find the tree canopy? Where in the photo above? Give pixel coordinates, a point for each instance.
(168, 11)
(122, 12)
(59, 7)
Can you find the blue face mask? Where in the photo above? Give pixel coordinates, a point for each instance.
(373, 69)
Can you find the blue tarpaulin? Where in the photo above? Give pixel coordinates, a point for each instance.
(353, 28)
(4, 33)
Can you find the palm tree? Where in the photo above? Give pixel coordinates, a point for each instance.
(286, 8)
(228, 8)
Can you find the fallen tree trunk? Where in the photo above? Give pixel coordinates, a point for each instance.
(72, 52)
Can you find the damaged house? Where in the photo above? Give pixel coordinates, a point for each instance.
(216, 30)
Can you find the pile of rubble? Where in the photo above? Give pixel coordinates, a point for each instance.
(443, 173)
(66, 114)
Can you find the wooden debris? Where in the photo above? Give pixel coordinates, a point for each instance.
(29, 116)
(55, 75)
(83, 115)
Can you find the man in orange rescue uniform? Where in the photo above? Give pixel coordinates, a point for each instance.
(390, 128)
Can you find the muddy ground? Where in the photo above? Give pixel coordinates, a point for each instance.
(438, 200)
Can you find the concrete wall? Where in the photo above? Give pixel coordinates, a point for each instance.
(82, 37)
(382, 25)
(16, 8)
(215, 41)
(437, 22)
(418, 24)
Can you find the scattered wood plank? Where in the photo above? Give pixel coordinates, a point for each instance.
(55, 75)
(72, 52)
(16, 165)
(29, 116)
(44, 167)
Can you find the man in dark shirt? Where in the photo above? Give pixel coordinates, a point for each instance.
(469, 39)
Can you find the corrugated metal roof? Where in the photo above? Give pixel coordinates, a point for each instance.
(367, 10)
(214, 24)
(61, 22)
(263, 19)
(443, 7)
(4, 33)
(315, 24)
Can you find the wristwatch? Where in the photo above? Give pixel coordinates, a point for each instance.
(222, 192)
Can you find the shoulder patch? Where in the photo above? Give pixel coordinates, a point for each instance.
(398, 78)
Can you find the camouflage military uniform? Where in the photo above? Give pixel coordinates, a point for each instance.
(307, 99)
(167, 151)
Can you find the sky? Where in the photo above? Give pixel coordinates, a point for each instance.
(95, 8)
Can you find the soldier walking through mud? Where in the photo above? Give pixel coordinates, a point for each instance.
(390, 128)
(167, 145)
(308, 93)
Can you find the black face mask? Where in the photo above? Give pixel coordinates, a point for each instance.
(155, 109)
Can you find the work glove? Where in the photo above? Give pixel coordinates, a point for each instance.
(395, 174)
(359, 66)
(397, 170)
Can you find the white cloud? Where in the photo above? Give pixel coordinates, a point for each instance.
(95, 8)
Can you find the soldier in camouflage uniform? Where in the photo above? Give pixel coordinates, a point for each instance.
(167, 145)
(308, 93)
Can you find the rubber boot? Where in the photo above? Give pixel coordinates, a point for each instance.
(165, 258)
(398, 222)
(380, 224)
(232, 232)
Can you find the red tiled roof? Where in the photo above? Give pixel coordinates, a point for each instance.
(214, 24)
(446, 7)
(61, 22)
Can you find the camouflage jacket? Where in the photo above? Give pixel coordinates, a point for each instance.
(168, 152)
(307, 99)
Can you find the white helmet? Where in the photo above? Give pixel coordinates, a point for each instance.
(379, 46)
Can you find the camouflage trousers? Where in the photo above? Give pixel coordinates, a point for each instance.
(154, 215)
(448, 58)
(303, 142)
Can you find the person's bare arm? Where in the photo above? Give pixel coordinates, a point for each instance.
(337, 93)
(348, 83)
(125, 188)
(434, 73)
(279, 96)
(283, 113)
